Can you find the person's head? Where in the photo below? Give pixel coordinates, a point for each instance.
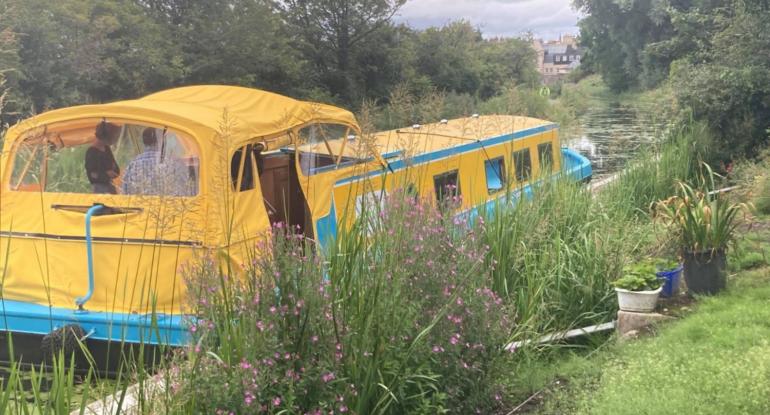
(107, 133)
(149, 138)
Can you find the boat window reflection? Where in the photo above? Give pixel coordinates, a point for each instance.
(522, 161)
(495, 172)
(545, 155)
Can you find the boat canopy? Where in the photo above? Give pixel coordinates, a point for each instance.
(208, 112)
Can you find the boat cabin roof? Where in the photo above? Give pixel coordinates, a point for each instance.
(420, 139)
(211, 111)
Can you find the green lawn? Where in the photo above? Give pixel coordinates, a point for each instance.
(714, 361)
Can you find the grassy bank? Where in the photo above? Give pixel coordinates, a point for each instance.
(714, 361)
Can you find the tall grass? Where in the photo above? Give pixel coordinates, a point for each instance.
(655, 172)
(552, 256)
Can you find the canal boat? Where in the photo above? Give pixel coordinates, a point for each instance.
(98, 256)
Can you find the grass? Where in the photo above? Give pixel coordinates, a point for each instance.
(713, 361)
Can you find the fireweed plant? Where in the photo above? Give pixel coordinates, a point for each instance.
(397, 317)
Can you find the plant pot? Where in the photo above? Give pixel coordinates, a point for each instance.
(638, 301)
(704, 271)
(672, 278)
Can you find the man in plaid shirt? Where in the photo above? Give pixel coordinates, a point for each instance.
(148, 175)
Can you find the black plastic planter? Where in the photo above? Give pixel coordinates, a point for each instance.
(704, 271)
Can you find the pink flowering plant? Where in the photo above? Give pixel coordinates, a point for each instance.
(395, 316)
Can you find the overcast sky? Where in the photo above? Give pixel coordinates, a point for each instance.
(545, 18)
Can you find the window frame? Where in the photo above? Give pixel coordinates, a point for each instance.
(21, 140)
(441, 197)
(541, 150)
(523, 171)
(501, 175)
(338, 161)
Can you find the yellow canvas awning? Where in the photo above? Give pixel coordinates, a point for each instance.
(208, 112)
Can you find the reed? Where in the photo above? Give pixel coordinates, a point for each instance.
(553, 255)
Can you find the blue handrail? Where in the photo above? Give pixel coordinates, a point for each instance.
(80, 301)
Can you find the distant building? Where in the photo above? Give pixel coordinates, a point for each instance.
(557, 58)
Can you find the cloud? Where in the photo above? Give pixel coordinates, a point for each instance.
(544, 18)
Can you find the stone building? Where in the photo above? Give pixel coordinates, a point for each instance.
(557, 58)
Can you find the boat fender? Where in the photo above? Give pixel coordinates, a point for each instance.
(65, 339)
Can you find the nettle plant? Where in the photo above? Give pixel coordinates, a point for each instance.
(639, 277)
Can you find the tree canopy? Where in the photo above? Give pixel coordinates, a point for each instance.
(713, 53)
(343, 51)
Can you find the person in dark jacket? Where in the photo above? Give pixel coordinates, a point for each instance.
(101, 166)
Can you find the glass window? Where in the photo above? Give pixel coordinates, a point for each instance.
(522, 161)
(447, 187)
(545, 155)
(324, 147)
(243, 164)
(124, 159)
(495, 172)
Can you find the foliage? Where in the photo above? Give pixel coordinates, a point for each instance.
(700, 220)
(383, 327)
(618, 33)
(639, 277)
(82, 51)
(666, 264)
(707, 50)
(553, 257)
(655, 172)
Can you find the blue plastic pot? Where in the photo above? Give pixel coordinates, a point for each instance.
(671, 284)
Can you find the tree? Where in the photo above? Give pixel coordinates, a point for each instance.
(242, 42)
(450, 57)
(331, 32)
(617, 33)
(76, 51)
(726, 80)
(8, 60)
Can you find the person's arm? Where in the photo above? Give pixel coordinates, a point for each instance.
(115, 171)
(92, 166)
(126, 180)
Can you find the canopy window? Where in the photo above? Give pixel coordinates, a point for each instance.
(324, 147)
(150, 160)
(495, 173)
(545, 156)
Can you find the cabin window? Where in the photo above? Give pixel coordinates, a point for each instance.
(132, 159)
(410, 191)
(522, 161)
(243, 164)
(326, 147)
(447, 187)
(545, 155)
(495, 172)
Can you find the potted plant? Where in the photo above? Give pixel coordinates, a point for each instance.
(705, 225)
(670, 271)
(639, 288)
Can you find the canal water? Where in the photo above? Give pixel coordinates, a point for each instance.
(610, 134)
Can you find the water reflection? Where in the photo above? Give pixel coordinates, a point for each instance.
(610, 134)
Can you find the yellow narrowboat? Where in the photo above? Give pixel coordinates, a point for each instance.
(102, 205)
